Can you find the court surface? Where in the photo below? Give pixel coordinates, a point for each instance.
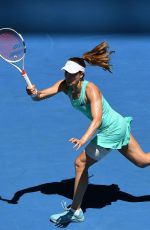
(36, 159)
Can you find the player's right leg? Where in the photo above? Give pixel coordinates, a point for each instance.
(135, 154)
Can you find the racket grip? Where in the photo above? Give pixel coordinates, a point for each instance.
(26, 78)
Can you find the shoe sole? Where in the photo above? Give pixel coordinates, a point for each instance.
(75, 221)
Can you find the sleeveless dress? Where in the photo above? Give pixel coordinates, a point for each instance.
(114, 130)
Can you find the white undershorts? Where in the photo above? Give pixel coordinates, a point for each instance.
(96, 152)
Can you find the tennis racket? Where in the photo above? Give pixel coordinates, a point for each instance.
(13, 50)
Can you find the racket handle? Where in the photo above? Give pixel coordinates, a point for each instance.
(26, 78)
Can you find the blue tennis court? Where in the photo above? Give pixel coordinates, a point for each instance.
(37, 161)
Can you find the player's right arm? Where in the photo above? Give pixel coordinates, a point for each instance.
(37, 95)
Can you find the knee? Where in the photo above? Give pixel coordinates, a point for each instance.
(142, 161)
(80, 164)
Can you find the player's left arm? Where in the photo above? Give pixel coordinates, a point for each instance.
(94, 97)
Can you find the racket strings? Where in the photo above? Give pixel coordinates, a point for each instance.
(11, 46)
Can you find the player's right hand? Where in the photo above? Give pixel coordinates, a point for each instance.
(31, 91)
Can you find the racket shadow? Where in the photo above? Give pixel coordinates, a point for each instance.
(96, 196)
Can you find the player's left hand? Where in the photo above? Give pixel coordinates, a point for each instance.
(78, 143)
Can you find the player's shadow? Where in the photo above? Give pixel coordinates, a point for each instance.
(96, 196)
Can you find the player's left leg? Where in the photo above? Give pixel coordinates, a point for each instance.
(82, 163)
(135, 154)
(87, 158)
(75, 214)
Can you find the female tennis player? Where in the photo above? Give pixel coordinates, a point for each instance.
(107, 130)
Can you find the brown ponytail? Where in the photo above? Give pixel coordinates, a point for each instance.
(99, 56)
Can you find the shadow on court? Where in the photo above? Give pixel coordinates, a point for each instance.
(96, 196)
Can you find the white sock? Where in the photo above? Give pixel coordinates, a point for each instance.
(76, 212)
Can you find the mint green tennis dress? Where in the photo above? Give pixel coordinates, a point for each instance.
(114, 131)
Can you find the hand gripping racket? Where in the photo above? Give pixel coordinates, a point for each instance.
(13, 50)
